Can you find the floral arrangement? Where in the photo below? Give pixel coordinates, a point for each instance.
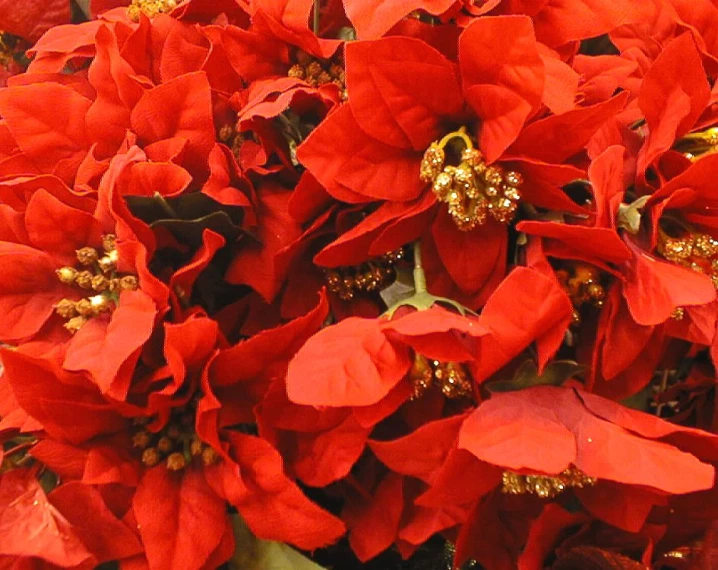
(358, 284)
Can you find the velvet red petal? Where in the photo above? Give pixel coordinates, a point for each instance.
(503, 77)
(391, 84)
(180, 519)
(349, 364)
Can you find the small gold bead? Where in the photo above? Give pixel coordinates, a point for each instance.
(84, 307)
(165, 445)
(129, 283)
(141, 439)
(209, 456)
(84, 279)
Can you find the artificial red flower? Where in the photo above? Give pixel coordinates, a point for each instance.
(362, 153)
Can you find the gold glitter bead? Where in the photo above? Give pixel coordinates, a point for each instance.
(209, 456)
(129, 283)
(513, 178)
(165, 445)
(84, 307)
(100, 283)
(141, 439)
(296, 71)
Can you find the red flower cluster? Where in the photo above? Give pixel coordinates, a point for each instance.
(446, 267)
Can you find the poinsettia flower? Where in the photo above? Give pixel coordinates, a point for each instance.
(495, 445)
(175, 444)
(363, 154)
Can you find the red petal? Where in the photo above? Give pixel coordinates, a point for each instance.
(373, 19)
(180, 108)
(329, 456)
(674, 93)
(28, 291)
(105, 536)
(32, 527)
(348, 364)
(34, 18)
(255, 264)
(391, 87)
(517, 315)
(457, 250)
(52, 136)
(558, 137)
(180, 519)
(510, 430)
(376, 526)
(622, 507)
(503, 77)
(356, 167)
(423, 452)
(655, 288)
(101, 348)
(273, 506)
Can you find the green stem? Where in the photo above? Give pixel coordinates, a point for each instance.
(419, 275)
(315, 22)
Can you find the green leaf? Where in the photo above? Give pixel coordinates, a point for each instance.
(187, 216)
(555, 374)
(252, 553)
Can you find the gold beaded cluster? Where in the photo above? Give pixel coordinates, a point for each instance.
(451, 378)
(230, 136)
(319, 72)
(149, 8)
(97, 273)
(369, 277)
(545, 486)
(698, 252)
(582, 283)
(472, 190)
(175, 446)
(695, 145)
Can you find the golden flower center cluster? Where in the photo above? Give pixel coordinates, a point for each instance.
(582, 283)
(176, 445)
(369, 277)
(545, 486)
(451, 378)
(472, 190)
(97, 272)
(695, 145)
(319, 72)
(698, 252)
(234, 139)
(149, 8)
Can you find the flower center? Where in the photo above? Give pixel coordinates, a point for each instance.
(451, 378)
(695, 145)
(149, 8)
(472, 190)
(97, 272)
(545, 486)
(369, 277)
(319, 72)
(584, 285)
(176, 445)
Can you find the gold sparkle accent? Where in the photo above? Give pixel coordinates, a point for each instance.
(369, 277)
(545, 486)
(149, 8)
(472, 190)
(451, 378)
(695, 251)
(584, 285)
